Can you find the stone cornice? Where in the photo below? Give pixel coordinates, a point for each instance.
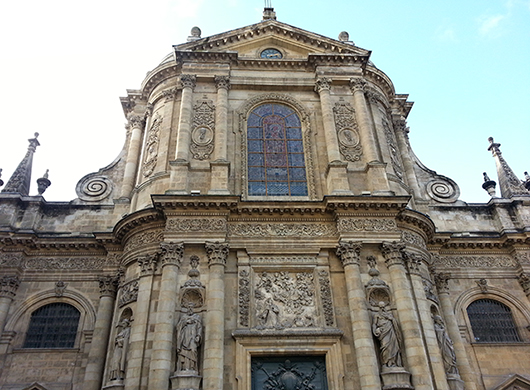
(469, 241)
(415, 218)
(142, 217)
(31, 243)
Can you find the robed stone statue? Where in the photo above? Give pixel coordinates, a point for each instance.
(446, 346)
(189, 337)
(119, 355)
(385, 328)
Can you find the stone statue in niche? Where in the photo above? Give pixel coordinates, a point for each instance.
(119, 355)
(446, 346)
(189, 338)
(385, 328)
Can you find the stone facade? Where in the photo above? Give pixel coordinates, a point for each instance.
(266, 218)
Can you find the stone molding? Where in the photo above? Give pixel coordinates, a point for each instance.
(8, 286)
(217, 253)
(349, 252)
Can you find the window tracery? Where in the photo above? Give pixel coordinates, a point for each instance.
(492, 322)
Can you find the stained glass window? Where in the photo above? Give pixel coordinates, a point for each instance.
(276, 164)
(492, 322)
(53, 326)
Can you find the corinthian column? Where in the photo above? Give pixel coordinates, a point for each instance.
(462, 360)
(136, 125)
(100, 338)
(417, 360)
(414, 263)
(133, 377)
(160, 367)
(220, 165)
(8, 289)
(349, 254)
(337, 180)
(214, 325)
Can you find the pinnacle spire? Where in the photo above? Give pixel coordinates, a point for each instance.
(20, 181)
(509, 183)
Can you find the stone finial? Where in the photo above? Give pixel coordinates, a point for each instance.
(195, 34)
(489, 185)
(268, 11)
(20, 181)
(510, 185)
(43, 183)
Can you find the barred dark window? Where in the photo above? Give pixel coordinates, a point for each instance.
(492, 322)
(276, 163)
(53, 326)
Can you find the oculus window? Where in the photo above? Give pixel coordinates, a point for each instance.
(492, 322)
(53, 326)
(276, 162)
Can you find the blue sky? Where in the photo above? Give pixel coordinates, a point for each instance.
(64, 64)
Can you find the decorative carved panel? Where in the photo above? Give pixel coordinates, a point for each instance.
(347, 131)
(151, 146)
(203, 129)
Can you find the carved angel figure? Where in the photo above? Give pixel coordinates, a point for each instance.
(385, 328)
(188, 341)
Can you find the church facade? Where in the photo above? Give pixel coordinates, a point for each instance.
(265, 226)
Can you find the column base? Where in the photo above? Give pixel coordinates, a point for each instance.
(186, 380)
(454, 381)
(337, 178)
(116, 384)
(396, 378)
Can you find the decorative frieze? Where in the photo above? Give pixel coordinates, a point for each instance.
(11, 259)
(217, 253)
(196, 225)
(285, 300)
(475, 262)
(203, 129)
(366, 225)
(129, 293)
(282, 230)
(244, 298)
(349, 252)
(151, 146)
(283, 260)
(325, 297)
(413, 239)
(347, 131)
(9, 286)
(143, 238)
(65, 263)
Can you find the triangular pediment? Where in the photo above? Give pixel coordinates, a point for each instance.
(294, 43)
(35, 386)
(514, 382)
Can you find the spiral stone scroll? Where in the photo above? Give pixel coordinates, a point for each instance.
(94, 188)
(443, 190)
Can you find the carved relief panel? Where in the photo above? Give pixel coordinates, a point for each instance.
(151, 146)
(203, 128)
(347, 131)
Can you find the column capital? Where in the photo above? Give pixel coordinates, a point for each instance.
(135, 121)
(187, 81)
(9, 286)
(322, 84)
(148, 264)
(358, 84)
(524, 281)
(172, 253)
(393, 253)
(169, 94)
(349, 252)
(108, 285)
(441, 280)
(222, 82)
(217, 253)
(413, 262)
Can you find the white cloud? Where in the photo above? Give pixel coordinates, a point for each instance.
(490, 24)
(446, 35)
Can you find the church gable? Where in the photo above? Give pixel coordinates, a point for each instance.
(514, 382)
(291, 42)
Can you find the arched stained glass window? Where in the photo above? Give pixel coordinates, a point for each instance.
(276, 163)
(492, 322)
(53, 326)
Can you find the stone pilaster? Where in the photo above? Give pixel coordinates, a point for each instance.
(417, 360)
(349, 254)
(100, 339)
(214, 332)
(136, 124)
(220, 166)
(376, 170)
(337, 180)
(414, 264)
(134, 372)
(8, 290)
(462, 361)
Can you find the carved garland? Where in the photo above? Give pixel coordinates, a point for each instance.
(475, 262)
(306, 129)
(196, 225)
(325, 296)
(369, 225)
(347, 131)
(203, 129)
(281, 230)
(244, 298)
